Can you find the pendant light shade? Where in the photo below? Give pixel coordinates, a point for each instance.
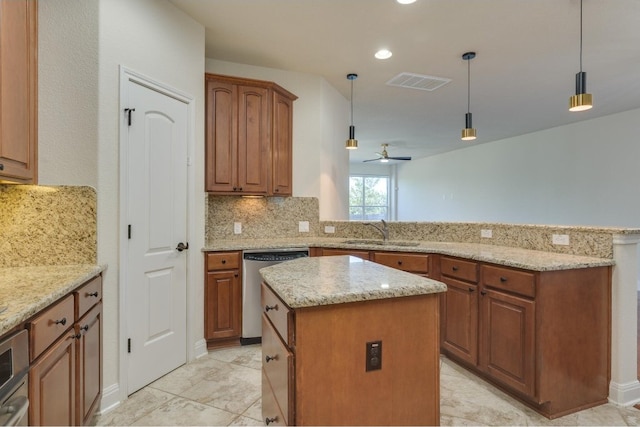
(469, 132)
(352, 142)
(582, 100)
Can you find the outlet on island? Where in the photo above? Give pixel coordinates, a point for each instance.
(374, 356)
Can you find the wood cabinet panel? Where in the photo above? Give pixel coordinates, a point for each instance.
(338, 252)
(519, 282)
(508, 340)
(223, 302)
(49, 325)
(89, 363)
(52, 393)
(413, 263)
(87, 296)
(278, 313)
(223, 260)
(221, 134)
(460, 320)
(272, 415)
(278, 367)
(253, 140)
(282, 145)
(459, 269)
(18, 91)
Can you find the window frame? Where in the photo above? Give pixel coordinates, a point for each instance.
(363, 205)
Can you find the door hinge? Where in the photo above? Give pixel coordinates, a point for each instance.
(128, 345)
(128, 112)
(129, 231)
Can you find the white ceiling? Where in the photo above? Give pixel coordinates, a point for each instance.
(521, 78)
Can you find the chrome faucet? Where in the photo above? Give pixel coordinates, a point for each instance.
(384, 229)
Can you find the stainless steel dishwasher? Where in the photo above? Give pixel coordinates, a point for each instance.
(253, 261)
(14, 376)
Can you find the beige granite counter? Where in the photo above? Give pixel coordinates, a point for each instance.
(502, 255)
(310, 282)
(27, 290)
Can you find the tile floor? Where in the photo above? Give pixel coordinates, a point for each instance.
(223, 388)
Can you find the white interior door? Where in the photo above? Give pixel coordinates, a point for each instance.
(156, 214)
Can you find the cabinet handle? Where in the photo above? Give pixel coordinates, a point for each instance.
(471, 289)
(399, 262)
(224, 261)
(62, 321)
(268, 420)
(235, 275)
(271, 307)
(276, 190)
(454, 268)
(503, 279)
(483, 293)
(270, 358)
(1, 167)
(240, 189)
(93, 294)
(84, 328)
(75, 336)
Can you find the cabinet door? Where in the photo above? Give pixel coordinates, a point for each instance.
(221, 137)
(89, 356)
(18, 90)
(508, 340)
(460, 320)
(337, 252)
(223, 305)
(52, 385)
(254, 145)
(282, 145)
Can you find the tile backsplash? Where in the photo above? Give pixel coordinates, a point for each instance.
(47, 225)
(260, 218)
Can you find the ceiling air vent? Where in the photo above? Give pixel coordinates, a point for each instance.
(418, 81)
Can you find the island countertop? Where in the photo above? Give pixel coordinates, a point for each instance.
(315, 281)
(24, 291)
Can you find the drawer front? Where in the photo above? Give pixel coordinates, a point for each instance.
(277, 364)
(519, 282)
(277, 312)
(459, 269)
(88, 295)
(415, 263)
(338, 252)
(223, 260)
(49, 325)
(271, 414)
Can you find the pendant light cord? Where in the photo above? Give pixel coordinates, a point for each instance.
(352, 102)
(580, 35)
(468, 85)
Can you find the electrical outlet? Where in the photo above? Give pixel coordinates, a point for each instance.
(329, 229)
(237, 228)
(487, 234)
(374, 356)
(303, 226)
(560, 239)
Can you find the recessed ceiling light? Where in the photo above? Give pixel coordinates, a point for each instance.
(406, 1)
(384, 53)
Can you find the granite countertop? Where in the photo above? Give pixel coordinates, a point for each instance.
(502, 255)
(310, 282)
(27, 290)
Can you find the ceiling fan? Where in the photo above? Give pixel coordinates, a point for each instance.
(384, 156)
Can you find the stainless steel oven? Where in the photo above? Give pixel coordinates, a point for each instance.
(14, 377)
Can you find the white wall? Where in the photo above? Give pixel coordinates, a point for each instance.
(82, 45)
(581, 174)
(320, 162)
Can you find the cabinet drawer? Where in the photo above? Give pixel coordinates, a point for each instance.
(454, 267)
(223, 260)
(277, 363)
(88, 295)
(415, 263)
(338, 252)
(50, 324)
(271, 414)
(515, 281)
(278, 313)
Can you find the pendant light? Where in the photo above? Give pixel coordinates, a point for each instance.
(582, 100)
(352, 142)
(468, 133)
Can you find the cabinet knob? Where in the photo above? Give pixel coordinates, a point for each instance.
(276, 190)
(224, 261)
(268, 420)
(483, 293)
(75, 336)
(84, 328)
(270, 358)
(454, 268)
(270, 307)
(62, 321)
(1, 167)
(503, 279)
(93, 294)
(399, 262)
(471, 289)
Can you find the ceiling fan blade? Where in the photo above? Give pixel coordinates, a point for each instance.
(399, 158)
(371, 160)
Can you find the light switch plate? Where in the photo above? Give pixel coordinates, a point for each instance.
(303, 226)
(560, 239)
(487, 234)
(237, 228)
(329, 229)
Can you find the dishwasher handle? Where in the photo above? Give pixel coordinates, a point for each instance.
(13, 411)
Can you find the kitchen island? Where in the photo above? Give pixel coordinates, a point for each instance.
(349, 342)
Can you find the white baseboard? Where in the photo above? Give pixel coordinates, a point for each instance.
(624, 394)
(110, 398)
(200, 348)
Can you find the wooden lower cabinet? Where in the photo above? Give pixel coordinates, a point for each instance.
(460, 320)
(415, 263)
(223, 299)
(336, 252)
(89, 362)
(314, 371)
(52, 392)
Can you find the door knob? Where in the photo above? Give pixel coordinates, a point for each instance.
(182, 247)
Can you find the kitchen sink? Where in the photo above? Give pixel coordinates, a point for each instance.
(380, 242)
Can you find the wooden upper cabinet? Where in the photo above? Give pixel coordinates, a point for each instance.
(18, 91)
(248, 137)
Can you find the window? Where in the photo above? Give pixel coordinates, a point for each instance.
(368, 197)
